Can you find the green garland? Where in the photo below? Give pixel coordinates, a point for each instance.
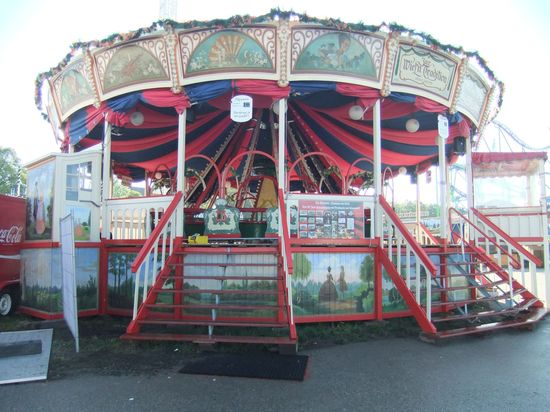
(240, 21)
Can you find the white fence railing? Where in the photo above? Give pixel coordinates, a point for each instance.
(133, 218)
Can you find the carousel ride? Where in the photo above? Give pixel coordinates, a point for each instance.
(264, 143)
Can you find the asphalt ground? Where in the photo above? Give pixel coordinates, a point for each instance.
(503, 371)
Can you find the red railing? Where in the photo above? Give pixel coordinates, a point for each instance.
(506, 237)
(155, 235)
(409, 238)
(515, 263)
(159, 242)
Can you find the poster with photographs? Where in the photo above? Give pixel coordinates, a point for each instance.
(327, 219)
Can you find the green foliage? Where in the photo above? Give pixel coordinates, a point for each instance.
(11, 172)
(302, 266)
(366, 272)
(121, 191)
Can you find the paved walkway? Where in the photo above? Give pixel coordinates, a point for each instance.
(506, 371)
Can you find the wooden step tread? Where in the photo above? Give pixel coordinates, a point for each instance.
(455, 275)
(223, 265)
(206, 277)
(206, 339)
(212, 306)
(229, 250)
(207, 322)
(533, 317)
(220, 291)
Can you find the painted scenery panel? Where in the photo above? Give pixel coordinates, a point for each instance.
(336, 52)
(229, 49)
(333, 283)
(74, 89)
(41, 280)
(40, 196)
(130, 65)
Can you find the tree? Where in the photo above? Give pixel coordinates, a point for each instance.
(121, 191)
(302, 266)
(11, 172)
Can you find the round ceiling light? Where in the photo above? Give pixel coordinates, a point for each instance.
(137, 118)
(356, 112)
(412, 125)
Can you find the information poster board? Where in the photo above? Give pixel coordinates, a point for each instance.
(327, 217)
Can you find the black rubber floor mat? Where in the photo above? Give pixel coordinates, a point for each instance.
(250, 365)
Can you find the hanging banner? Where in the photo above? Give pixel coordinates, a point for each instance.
(241, 108)
(70, 309)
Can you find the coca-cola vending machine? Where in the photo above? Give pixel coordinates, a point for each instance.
(12, 231)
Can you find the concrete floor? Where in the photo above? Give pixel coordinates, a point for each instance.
(504, 371)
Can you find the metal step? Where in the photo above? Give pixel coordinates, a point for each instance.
(479, 300)
(206, 339)
(528, 320)
(454, 288)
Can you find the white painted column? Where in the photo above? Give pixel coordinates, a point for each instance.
(469, 183)
(545, 237)
(180, 173)
(281, 145)
(106, 181)
(442, 188)
(377, 157)
(419, 237)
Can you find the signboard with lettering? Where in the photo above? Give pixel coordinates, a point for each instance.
(421, 68)
(241, 108)
(328, 217)
(12, 233)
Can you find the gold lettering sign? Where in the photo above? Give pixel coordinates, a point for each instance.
(420, 68)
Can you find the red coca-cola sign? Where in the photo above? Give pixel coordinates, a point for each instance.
(12, 235)
(12, 220)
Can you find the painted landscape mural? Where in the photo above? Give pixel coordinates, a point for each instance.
(330, 284)
(41, 287)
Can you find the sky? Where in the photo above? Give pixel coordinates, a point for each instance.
(511, 35)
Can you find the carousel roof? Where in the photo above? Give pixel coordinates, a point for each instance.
(332, 74)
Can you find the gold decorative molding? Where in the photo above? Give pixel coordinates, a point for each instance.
(462, 69)
(392, 46)
(284, 36)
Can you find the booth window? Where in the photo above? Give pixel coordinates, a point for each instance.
(79, 178)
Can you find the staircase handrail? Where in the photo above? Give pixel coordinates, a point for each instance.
(409, 238)
(507, 238)
(515, 263)
(157, 231)
(286, 234)
(286, 253)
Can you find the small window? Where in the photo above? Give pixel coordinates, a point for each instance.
(79, 178)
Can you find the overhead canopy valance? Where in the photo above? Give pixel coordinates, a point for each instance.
(497, 164)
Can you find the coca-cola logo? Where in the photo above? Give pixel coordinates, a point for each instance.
(12, 235)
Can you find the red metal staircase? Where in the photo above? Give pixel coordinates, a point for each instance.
(461, 289)
(229, 291)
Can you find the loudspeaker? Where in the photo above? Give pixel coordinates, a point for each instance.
(459, 145)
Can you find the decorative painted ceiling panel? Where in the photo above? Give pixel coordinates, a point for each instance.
(246, 49)
(135, 63)
(316, 51)
(73, 88)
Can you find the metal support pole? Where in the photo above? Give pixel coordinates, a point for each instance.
(377, 155)
(545, 236)
(106, 181)
(443, 188)
(281, 176)
(180, 175)
(469, 183)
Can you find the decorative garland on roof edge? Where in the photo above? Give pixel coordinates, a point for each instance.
(240, 21)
